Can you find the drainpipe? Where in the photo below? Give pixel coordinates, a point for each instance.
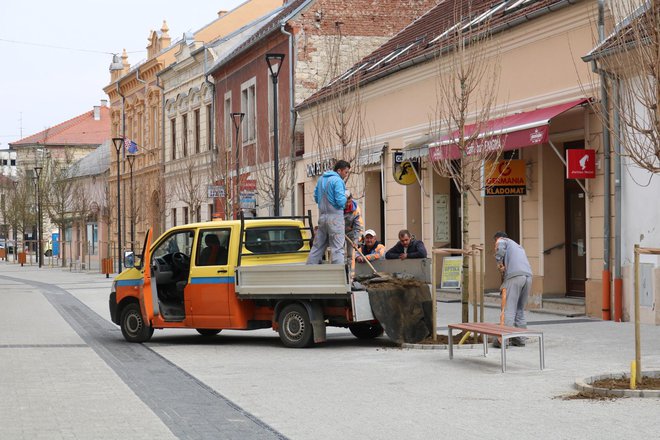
(604, 108)
(618, 279)
(292, 116)
(137, 77)
(212, 127)
(162, 153)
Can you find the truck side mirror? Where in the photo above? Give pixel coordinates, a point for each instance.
(129, 259)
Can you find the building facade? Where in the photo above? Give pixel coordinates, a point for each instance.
(535, 48)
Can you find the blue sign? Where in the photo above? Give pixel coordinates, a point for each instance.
(55, 236)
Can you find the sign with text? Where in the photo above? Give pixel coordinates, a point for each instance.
(505, 178)
(452, 269)
(580, 164)
(405, 171)
(213, 191)
(320, 167)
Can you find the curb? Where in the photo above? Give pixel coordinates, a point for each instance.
(439, 346)
(585, 385)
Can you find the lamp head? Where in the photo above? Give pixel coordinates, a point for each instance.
(274, 61)
(118, 143)
(116, 64)
(37, 171)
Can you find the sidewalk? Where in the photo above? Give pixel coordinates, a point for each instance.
(54, 386)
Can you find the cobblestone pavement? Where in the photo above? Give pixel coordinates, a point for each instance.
(67, 373)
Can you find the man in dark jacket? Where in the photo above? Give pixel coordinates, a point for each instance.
(406, 247)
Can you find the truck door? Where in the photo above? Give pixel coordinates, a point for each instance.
(148, 294)
(211, 282)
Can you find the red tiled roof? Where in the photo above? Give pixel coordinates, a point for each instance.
(423, 39)
(81, 130)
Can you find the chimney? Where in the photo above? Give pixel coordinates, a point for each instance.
(97, 112)
(104, 103)
(222, 14)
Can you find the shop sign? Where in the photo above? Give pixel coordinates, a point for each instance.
(405, 171)
(580, 164)
(505, 178)
(213, 191)
(320, 167)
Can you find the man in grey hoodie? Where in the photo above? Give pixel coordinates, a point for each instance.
(330, 195)
(516, 273)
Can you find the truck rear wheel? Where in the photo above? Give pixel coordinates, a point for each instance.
(133, 326)
(365, 330)
(295, 328)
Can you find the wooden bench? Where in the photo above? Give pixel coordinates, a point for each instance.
(502, 331)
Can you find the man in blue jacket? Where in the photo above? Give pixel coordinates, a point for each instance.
(330, 195)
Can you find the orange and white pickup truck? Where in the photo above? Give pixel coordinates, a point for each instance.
(241, 275)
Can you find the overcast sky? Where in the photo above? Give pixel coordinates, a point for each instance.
(55, 54)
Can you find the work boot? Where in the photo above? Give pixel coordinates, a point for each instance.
(497, 344)
(518, 342)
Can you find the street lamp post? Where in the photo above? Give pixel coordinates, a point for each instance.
(131, 159)
(15, 183)
(37, 173)
(274, 61)
(237, 118)
(118, 143)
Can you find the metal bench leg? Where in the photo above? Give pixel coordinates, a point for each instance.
(451, 345)
(485, 340)
(541, 352)
(503, 353)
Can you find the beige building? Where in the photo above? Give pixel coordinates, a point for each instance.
(190, 151)
(541, 94)
(137, 105)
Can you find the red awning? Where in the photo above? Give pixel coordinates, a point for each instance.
(508, 133)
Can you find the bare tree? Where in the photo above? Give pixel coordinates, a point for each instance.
(340, 128)
(467, 87)
(190, 183)
(631, 57)
(58, 190)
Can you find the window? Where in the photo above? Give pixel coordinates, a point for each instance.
(185, 216)
(173, 133)
(152, 127)
(249, 106)
(210, 211)
(213, 247)
(228, 126)
(173, 216)
(209, 128)
(180, 241)
(185, 136)
(198, 214)
(196, 131)
(273, 240)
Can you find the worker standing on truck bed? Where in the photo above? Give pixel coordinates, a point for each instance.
(330, 195)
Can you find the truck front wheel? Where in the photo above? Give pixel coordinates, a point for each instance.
(365, 330)
(133, 326)
(295, 328)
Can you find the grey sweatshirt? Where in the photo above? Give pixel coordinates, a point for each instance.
(513, 256)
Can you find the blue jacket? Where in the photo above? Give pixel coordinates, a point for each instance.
(334, 187)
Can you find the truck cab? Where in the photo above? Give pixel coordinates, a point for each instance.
(189, 278)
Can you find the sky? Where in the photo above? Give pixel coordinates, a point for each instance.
(56, 54)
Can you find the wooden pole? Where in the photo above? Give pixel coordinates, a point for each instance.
(434, 296)
(638, 356)
(483, 282)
